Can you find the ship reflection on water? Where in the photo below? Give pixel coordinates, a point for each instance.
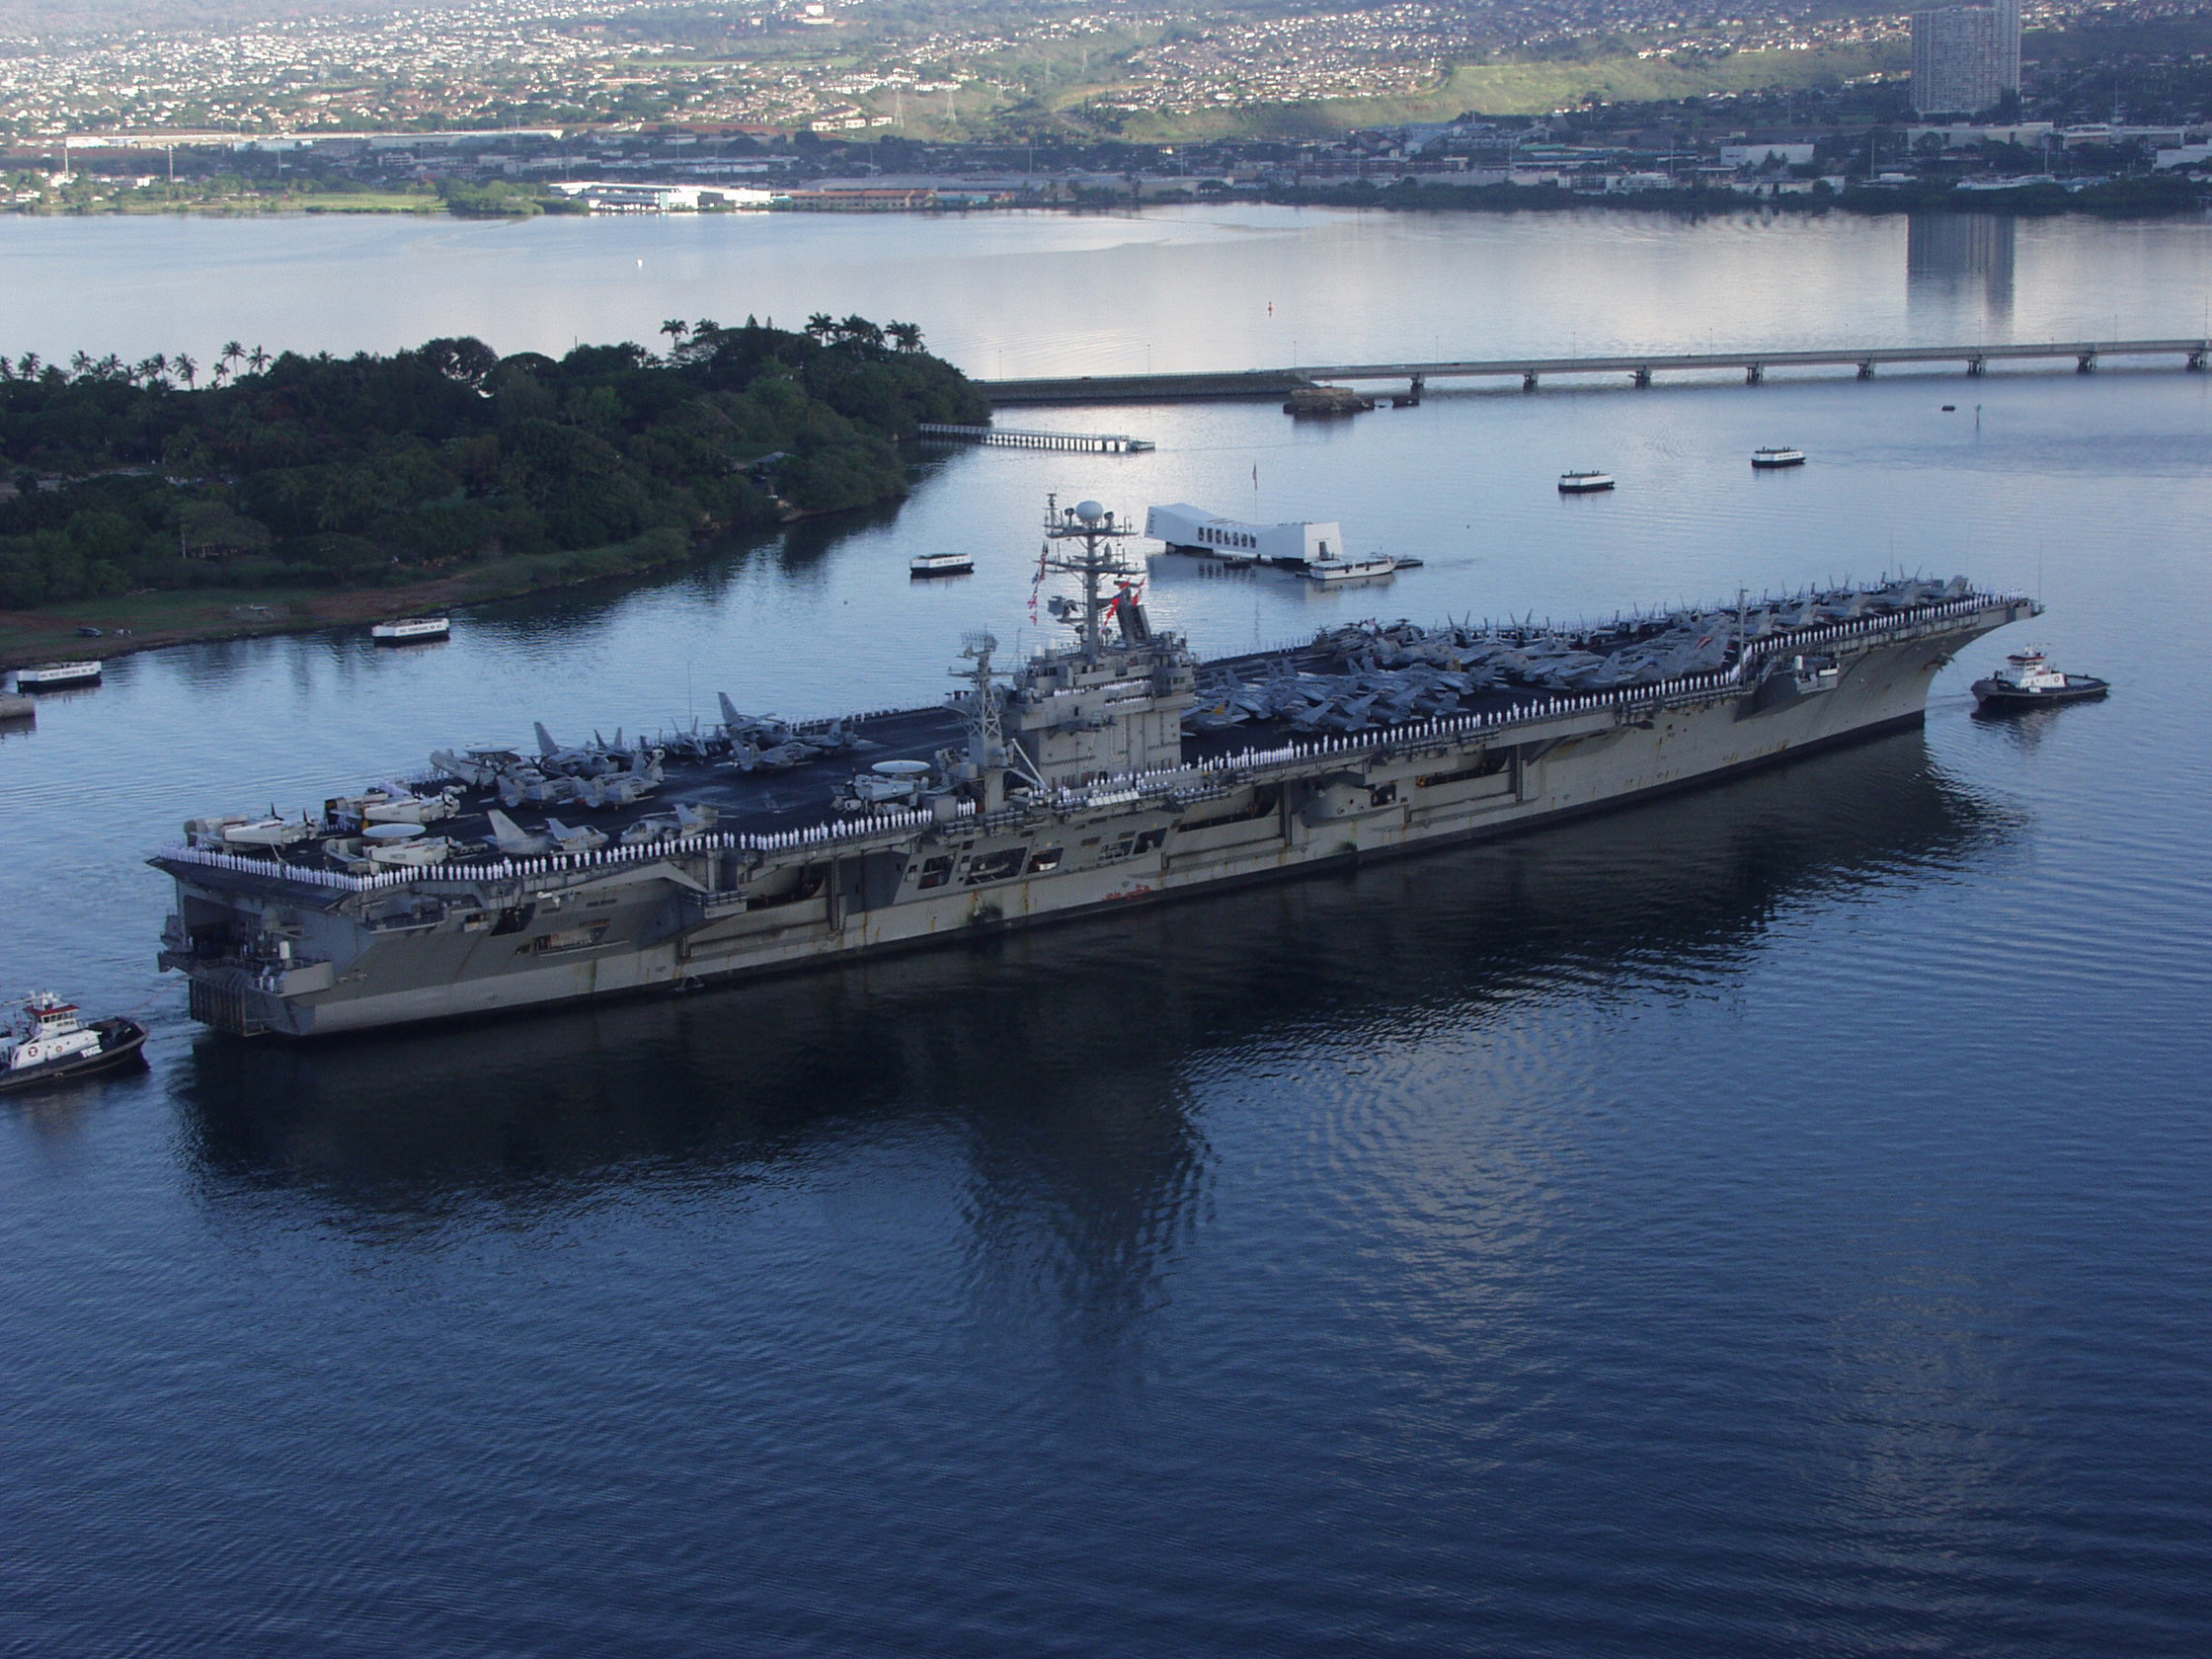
(1052, 1071)
(2026, 728)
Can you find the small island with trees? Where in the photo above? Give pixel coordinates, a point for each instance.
(256, 492)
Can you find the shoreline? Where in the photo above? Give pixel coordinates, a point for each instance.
(293, 611)
(2151, 198)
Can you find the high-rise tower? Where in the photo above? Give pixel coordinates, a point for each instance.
(1965, 58)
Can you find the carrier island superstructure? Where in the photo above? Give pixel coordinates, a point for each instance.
(1112, 771)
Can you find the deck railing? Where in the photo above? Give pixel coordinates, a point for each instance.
(1129, 786)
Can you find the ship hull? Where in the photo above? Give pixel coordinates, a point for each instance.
(664, 926)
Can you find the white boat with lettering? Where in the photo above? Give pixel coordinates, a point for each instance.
(410, 630)
(941, 564)
(52, 676)
(1772, 456)
(1584, 483)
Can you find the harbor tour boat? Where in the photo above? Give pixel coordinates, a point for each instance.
(410, 630)
(1771, 456)
(1353, 569)
(2027, 680)
(53, 676)
(941, 564)
(46, 1041)
(1584, 483)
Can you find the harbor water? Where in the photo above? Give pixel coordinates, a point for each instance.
(1773, 1220)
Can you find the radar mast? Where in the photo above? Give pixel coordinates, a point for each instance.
(986, 743)
(1082, 541)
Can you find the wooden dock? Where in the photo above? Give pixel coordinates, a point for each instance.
(1091, 443)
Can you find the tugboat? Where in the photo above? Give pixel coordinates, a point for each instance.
(2027, 680)
(47, 1041)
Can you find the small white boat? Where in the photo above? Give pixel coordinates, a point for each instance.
(941, 564)
(1773, 457)
(1584, 483)
(49, 676)
(1349, 570)
(410, 630)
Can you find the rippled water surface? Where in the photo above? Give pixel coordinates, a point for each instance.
(1772, 1220)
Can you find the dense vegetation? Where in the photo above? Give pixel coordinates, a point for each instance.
(382, 470)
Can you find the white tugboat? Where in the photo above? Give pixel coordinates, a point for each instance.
(46, 1041)
(411, 630)
(2027, 680)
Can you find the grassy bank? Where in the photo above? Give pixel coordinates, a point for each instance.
(146, 622)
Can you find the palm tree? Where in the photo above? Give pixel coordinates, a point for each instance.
(907, 337)
(80, 363)
(820, 327)
(232, 352)
(256, 359)
(113, 368)
(859, 331)
(28, 365)
(675, 328)
(186, 370)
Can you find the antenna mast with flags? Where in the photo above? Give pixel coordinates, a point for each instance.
(1080, 541)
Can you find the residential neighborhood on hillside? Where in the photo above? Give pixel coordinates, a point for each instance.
(540, 105)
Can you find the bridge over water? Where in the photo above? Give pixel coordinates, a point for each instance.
(1638, 368)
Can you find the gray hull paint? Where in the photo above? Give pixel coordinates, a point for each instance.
(668, 925)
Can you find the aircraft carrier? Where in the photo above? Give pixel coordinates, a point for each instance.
(1116, 770)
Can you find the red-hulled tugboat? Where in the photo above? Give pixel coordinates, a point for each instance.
(46, 1042)
(2027, 680)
